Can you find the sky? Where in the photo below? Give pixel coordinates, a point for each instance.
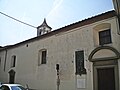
(58, 13)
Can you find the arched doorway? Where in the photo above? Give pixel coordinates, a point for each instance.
(105, 68)
(11, 76)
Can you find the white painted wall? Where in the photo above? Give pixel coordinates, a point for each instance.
(61, 49)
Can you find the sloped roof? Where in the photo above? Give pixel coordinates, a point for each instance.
(93, 19)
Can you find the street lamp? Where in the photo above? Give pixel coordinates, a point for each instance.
(58, 78)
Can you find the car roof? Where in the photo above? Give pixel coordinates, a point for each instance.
(12, 84)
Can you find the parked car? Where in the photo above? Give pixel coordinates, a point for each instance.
(12, 87)
(0, 84)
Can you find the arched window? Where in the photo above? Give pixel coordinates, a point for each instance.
(11, 76)
(102, 34)
(13, 61)
(42, 57)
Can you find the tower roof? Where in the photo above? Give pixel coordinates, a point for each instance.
(44, 24)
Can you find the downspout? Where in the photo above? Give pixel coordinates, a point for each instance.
(118, 22)
(118, 25)
(5, 59)
(116, 4)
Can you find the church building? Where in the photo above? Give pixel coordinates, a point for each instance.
(81, 56)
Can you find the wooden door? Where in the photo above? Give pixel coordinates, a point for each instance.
(106, 78)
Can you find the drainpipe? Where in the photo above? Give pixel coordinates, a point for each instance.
(116, 4)
(5, 59)
(119, 25)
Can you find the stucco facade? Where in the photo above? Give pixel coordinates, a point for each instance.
(61, 46)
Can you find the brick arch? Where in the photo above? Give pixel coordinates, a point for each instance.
(90, 58)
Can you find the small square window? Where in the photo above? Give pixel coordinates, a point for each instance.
(105, 37)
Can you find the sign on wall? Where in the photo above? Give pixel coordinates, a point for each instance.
(81, 83)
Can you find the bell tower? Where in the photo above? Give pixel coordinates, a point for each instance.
(43, 28)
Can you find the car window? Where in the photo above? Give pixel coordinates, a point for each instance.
(3, 87)
(17, 88)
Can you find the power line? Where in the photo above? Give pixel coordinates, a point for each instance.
(17, 20)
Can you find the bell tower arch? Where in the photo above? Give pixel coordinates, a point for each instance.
(43, 28)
